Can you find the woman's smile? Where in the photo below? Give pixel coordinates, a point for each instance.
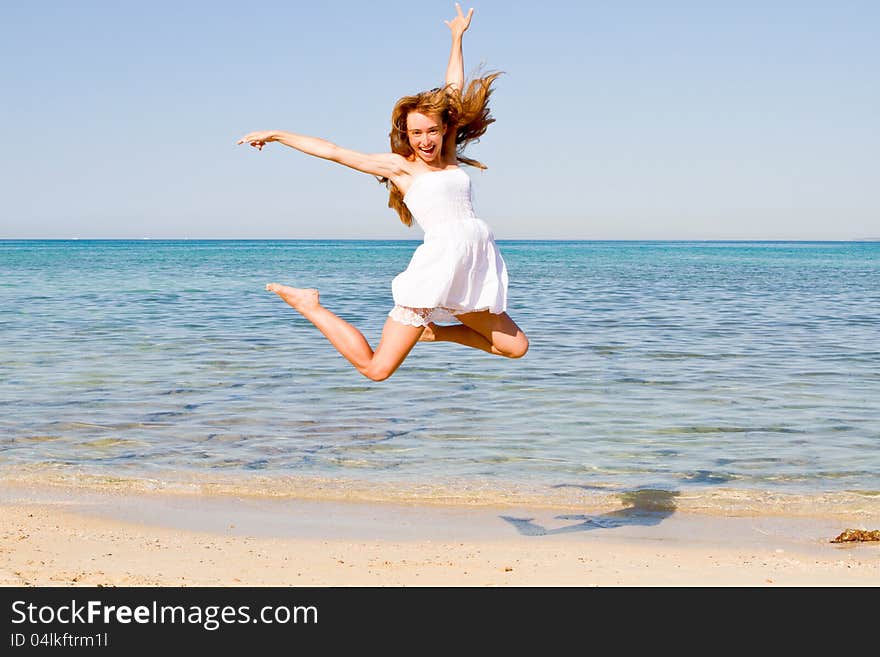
(426, 132)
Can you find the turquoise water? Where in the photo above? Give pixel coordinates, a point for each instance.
(683, 366)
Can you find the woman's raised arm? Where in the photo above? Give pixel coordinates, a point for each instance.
(455, 68)
(385, 165)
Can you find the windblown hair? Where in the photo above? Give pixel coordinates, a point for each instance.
(466, 113)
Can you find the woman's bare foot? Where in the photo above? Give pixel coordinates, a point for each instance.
(302, 299)
(429, 334)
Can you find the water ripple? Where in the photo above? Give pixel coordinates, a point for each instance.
(674, 364)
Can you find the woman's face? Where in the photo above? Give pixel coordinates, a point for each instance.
(425, 133)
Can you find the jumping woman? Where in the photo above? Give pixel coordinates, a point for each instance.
(457, 274)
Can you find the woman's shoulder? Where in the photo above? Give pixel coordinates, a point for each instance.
(407, 170)
(397, 163)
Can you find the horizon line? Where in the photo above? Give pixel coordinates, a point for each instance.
(415, 239)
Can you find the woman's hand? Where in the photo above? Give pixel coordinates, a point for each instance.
(259, 139)
(460, 23)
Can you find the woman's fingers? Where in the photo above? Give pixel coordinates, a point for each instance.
(461, 21)
(462, 16)
(253, 140)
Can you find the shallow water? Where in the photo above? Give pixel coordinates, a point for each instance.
(678, 366)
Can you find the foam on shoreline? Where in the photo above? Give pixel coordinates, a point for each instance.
(60, 483)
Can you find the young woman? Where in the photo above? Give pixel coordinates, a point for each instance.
(458, 272)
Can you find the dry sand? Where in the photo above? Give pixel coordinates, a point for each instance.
(76, 538)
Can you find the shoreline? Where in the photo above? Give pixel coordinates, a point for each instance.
(849, 505)
(70, 536)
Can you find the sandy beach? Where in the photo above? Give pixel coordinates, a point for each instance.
(69, 537)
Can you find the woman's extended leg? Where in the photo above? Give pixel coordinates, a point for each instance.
(394, 346)
(496, 334)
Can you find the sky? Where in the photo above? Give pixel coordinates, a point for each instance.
(615, 120)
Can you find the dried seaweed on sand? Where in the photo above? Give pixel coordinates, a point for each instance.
(857, 536)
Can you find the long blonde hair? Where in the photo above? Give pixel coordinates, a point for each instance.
(466, 113)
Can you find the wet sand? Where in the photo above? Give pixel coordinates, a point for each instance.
(71, 537)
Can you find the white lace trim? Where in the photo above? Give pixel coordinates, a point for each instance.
(422, 316)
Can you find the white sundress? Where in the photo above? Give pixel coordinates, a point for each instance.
(458, 268)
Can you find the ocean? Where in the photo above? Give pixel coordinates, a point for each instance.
(714, 372)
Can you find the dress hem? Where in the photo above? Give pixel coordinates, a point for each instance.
(410, 316)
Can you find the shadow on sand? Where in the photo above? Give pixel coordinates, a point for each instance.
(647, 506)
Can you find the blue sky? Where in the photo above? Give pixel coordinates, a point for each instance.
(615, 120)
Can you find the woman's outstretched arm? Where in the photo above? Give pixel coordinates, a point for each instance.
(455, 68)
(386, 165)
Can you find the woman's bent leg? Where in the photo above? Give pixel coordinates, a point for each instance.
(500, 331)
(459, 334)
(396, 343)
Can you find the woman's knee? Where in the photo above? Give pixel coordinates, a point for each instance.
(517, 348)
(377, 371)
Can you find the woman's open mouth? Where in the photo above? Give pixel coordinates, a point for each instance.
(428, 151)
